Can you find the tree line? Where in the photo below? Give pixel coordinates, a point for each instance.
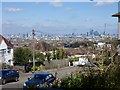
(25, 55)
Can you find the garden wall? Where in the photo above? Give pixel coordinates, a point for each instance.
(56, 64)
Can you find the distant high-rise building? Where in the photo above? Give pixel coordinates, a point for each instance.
(96, 33)
(91, 32)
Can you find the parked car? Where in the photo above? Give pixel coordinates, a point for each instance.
(8, 75)
(82, 61)
(40, 80)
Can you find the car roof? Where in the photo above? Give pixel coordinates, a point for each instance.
(5, 69)
(42, 74)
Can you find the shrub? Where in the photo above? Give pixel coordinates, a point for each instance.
(92, 80)
(107, 62)
(36, 68)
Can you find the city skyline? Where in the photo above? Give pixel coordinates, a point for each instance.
(58, 18)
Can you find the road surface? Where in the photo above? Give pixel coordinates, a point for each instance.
(23, 77)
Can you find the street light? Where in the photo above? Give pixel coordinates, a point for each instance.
(33, 34)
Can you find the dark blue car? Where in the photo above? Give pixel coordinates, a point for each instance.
(39, 81)
(7, 75)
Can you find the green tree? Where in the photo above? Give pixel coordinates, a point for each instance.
(18, 55)
(39, 57)
(54, 54)
(62, 54)
(22, 55)
(58, 54)
(48, 56)
(27, 54)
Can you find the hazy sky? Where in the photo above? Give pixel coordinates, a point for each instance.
(58, 18)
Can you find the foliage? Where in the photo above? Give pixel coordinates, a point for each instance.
(39, 57)
(73, 59)
(54, 54)
(75, 45)
(36, 68)
(104, 79)
(58, 54)
(43, 46)
(62, 53)
(22, 55)
(48, 56)
(86, 81)
(107, 61)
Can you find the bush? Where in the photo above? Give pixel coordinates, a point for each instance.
(36, 68)
(107, 62)
(103, 80)
(91, 80)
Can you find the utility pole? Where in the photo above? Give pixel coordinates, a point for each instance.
(33, 34)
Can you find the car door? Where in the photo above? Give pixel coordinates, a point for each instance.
(11, 75)
(7, 76)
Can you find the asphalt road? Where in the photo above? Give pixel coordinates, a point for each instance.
(23, 77)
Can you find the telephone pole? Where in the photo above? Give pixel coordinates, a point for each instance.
(33, 34)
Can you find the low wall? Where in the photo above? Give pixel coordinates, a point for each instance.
(56, 64)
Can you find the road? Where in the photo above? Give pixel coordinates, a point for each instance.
(23, 77)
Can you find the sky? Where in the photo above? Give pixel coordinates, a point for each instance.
(58, 18)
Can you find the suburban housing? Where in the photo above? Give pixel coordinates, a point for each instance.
(6, 51)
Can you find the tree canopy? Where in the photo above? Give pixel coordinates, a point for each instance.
(22, 55)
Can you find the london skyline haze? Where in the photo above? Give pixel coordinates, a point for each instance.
(58, 18)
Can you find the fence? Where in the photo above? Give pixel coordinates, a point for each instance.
(56, 64)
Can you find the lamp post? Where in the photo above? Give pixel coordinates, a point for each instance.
(33, 34)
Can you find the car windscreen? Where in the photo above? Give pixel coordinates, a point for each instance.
(37, 77)
(48, 77)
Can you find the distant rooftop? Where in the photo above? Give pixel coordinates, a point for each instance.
(116, 15)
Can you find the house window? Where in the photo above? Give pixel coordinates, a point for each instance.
(9, 50)
(0, 52)
(9, 61)
(3, 51)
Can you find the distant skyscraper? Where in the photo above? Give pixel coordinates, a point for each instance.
(87, 33)
(96, 33)
(91, 32)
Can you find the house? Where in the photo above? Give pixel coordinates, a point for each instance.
(6, 51)
(100, 45)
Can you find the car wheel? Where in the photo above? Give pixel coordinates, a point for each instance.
(16, 79)
(3, 81)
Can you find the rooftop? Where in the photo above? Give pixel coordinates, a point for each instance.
(6, 41)
(116, 15)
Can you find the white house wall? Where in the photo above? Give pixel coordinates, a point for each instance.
(9, 56)
(3, 45)
(6, 56)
